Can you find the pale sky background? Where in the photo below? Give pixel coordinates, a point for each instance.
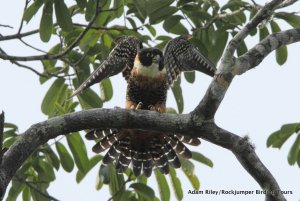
(256, 104)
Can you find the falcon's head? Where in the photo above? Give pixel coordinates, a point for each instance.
(149, 62)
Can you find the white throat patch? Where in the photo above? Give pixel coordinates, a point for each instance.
(148, 71)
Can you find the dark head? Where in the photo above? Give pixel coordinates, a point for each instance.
(148, 56)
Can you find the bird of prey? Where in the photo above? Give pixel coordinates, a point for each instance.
(149, 73)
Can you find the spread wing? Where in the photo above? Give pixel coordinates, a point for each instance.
(120, 59)
(180, 55)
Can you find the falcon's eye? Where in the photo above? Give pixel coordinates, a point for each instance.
(148, 54)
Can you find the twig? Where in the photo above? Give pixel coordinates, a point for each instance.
(19, 35)
(286, 3)
(27, 44)
(2, 119)
(22, 21)
(186, 18)
(30, 185)
(121, 187)
(6, 26)
(54, 56)
(117, 28)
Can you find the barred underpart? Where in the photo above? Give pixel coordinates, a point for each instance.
(141, 150)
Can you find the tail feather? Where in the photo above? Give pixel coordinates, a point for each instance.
(112, 154)
(158, 155)
(127, 146)
(171, 155)
(125, 156)
(147, 163)
(105, 143)
(188, 140)
(136, 162)
(99, 133)
(179, 147)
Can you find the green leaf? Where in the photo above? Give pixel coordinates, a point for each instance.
(281, 52)
(187, 166)
(172, 24)
(26, 194)
(92, 162)
(298, 160)
(202, 159)
(63, 16)
(99, 183)
(275, 27)
(218, 44)
(88, 99)
(53, 93)
(176, 184)
(45, 171)
(104, 174)
(15, 190)
(46, 24)
(90, 10)
(151, 29)
(51, 157)
(277, 138)
(194, 181)
(190, 76)
(161, 13)
(116, 183)
(292, 19)
(294, 151)
(155, 5)
(263, 33)
(65, 158)
(177, 92)
(143, 190)
(242, 48)
(10, 125)
(163, 187)
(141, 8)
(171, 110)
(78, 150)
(32, 10)
(81, 4)
(106, 90)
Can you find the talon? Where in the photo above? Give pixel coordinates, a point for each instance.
(139, 106)
(151, 107)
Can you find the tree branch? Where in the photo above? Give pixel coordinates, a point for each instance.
(2, 119)
(54, 56)
(40, 133)
(256, 55)
(218, 87)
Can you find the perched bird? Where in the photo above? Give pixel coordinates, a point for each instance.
(149, 74)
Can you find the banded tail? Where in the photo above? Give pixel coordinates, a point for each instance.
(143, 150)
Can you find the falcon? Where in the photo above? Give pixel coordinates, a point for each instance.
(149, 73)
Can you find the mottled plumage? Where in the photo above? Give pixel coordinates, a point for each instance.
(149, 73)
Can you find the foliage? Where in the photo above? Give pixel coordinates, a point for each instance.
(211, 25)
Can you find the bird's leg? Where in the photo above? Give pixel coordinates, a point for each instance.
(158, 107)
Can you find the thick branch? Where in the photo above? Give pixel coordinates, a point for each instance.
(40, 133)
(1, 133)
(257, 54)
(218, 87)
(262, 14)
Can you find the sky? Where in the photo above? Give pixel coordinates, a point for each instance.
(256, 104)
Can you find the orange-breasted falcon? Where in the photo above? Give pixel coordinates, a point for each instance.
(149, 73)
